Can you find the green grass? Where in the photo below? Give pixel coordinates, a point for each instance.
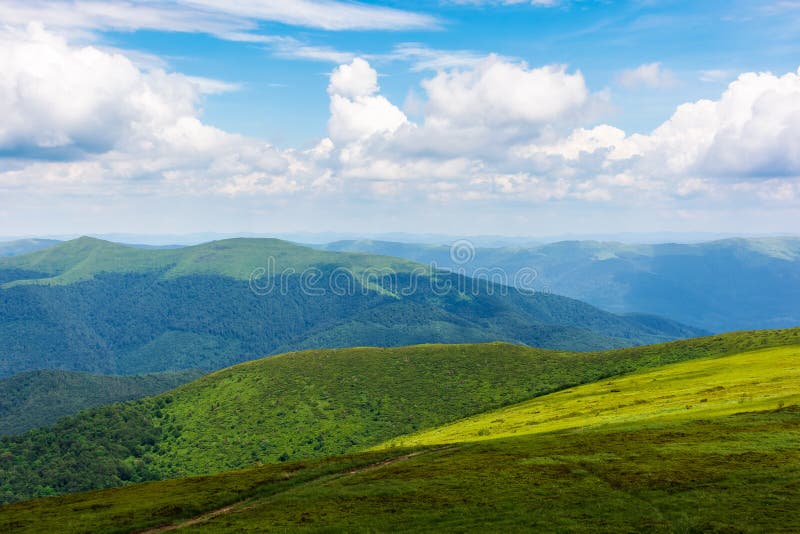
(314, 404)
(758, 380)
(735, 473)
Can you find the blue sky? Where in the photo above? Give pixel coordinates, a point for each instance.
(601, 38)
(479, 117)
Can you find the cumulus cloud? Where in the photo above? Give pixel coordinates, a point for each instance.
(87, 116)
(356, 111)
(580, 141)
(496, 92)
(652, 75)
(492, 130)
(494, 142)
(67, 100)
(753, 130)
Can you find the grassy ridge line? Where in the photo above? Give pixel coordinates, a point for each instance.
(725, 474)
(81, 259)
(751, 381)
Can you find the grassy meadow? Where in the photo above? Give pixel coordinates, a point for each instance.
(704, 445)
(752, 381)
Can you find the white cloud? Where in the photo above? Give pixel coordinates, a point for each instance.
(324, 14)
(497, 143)
(288, 47)
(491, 130)
(752, 130)
(423, 58)
(715, 75)
(496, 92)
(225, 19)
(581, 141)
(95, 121)
(354, 80)
(64, 99)
(647, 75)
(356, 111)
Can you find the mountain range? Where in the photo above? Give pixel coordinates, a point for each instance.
(725, 285)
(96, 306)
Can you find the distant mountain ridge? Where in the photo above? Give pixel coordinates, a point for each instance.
(23, 246)
(96, 306)
(730, 284)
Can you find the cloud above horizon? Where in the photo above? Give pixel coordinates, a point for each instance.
(92, 122)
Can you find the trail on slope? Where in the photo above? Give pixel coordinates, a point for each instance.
(246, 504)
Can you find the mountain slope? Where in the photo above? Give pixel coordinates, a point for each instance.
(314, 404)
(95, 306)
(720, 285)
(40, 398)
(735, 473)
(750, 381)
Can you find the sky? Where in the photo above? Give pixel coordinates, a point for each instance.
(462, 117)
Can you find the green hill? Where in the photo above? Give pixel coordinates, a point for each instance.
(95, 306)
(40, 398)
(642, 452)
(86, 257)
(314, 404)
(725, 285)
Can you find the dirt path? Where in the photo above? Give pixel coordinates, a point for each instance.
(197, 520)
(388, 461)
(240, 506)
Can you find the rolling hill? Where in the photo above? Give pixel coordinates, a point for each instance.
(314, 404)
(725, 285)
(40, 398)
(96, 306)
(698, 445)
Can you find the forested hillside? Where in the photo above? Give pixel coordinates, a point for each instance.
(91, 305)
